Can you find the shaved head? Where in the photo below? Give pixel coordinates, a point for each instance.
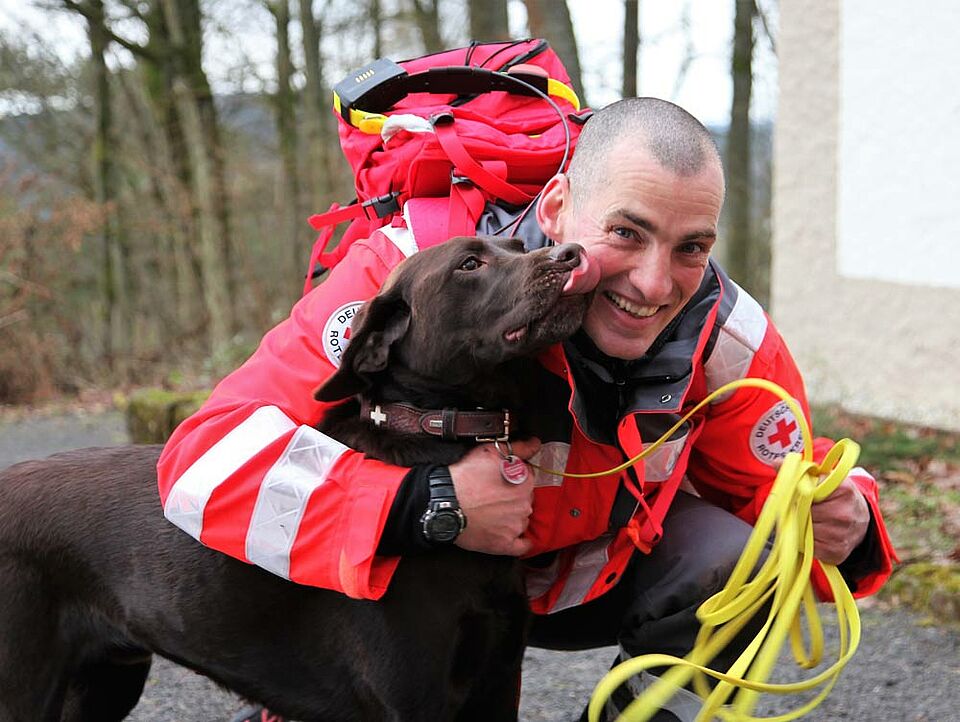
(678, 141)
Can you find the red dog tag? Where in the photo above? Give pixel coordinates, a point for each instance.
(513, 469)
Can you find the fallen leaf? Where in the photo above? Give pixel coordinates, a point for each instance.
(900, 477)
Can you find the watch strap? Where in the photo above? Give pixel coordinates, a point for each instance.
(441, 484)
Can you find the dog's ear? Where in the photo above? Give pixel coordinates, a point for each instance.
(377, 326)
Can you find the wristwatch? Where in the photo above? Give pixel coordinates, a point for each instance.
(443, 520)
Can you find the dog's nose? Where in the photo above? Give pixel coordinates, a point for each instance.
(566, 253)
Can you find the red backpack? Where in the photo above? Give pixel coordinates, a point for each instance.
(439, 136)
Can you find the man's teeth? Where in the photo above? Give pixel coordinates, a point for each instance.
(632, 308)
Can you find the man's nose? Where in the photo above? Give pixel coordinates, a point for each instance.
(651, 275)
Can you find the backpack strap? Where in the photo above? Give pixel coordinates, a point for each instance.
(443, 124)
(646, 529)
(645, 524)
(433, 220)
(373, 209)
(379, 207)
(465, 206)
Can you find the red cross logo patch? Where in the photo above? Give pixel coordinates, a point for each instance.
(336, 331)
(775, 435)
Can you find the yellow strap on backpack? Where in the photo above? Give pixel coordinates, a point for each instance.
(783, 580)
(372, 123)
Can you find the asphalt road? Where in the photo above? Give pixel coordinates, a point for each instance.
(904, 671)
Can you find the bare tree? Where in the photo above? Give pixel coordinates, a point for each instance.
(115, 274)
(748, 263)
(198, 116)
(114, 306)
(689, 50)
(173, 54)
(427, 16)
(376, 20)
(489, 20)
(177, 277)
(550, 19)
(289, 206)
(631, 47)
(316, 109)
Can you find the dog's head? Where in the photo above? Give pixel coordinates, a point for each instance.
(454, 313)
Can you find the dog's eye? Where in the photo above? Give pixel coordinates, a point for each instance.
(471, 263)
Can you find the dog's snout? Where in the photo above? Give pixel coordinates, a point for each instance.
(566, 253)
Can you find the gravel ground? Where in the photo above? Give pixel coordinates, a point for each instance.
(904, 671)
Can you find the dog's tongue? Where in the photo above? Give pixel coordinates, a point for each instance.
(583, 279)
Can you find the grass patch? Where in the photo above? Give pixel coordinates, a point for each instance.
(887, 445)
(918, 470)
(930, 588)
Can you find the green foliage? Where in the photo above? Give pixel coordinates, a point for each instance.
(886, 445)
(153, 414)
(918, 470)
(930, 588)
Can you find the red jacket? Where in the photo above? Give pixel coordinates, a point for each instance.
(250, 476)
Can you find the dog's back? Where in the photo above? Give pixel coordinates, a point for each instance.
(93, 579)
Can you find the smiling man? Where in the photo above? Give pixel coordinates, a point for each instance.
(648, 216)
(622, 559)
(665, 327)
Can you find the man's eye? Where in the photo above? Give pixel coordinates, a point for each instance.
(692, 249)
(471, 264)
(625, 232)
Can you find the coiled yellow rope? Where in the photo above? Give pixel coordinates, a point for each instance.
(783, 581)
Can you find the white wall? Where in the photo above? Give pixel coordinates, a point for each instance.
(866, 210)
(899, 191)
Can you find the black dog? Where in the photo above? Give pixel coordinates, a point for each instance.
(93, 579)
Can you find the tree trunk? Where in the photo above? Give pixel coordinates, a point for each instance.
(550, 19)
(745, 261)
(103, 181)
(157, 73)
(177, 276)
(427, 15)
(116, 313)
(194, 103)
(489, 20)
(376, 20)
(291, 215)
(317, 110)
(631, 47)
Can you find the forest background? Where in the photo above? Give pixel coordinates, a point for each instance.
(159, 158)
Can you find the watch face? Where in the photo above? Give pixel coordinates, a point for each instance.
(444, 525)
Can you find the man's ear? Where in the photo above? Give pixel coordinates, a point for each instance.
(378, 325)
(553, 206)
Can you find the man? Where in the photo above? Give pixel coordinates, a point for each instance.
(664, 327)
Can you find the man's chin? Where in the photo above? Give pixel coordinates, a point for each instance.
(616, 345)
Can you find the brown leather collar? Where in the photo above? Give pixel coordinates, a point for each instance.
(448, 424)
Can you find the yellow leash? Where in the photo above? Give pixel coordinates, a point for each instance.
(783, 581)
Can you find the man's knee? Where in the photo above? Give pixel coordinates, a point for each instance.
(700, 546)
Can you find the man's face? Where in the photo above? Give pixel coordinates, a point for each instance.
(650, 230)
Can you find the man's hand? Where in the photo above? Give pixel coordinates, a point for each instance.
(840, 523)
(497, 512)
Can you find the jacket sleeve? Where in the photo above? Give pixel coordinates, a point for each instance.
(250, 476)
(735, 459)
